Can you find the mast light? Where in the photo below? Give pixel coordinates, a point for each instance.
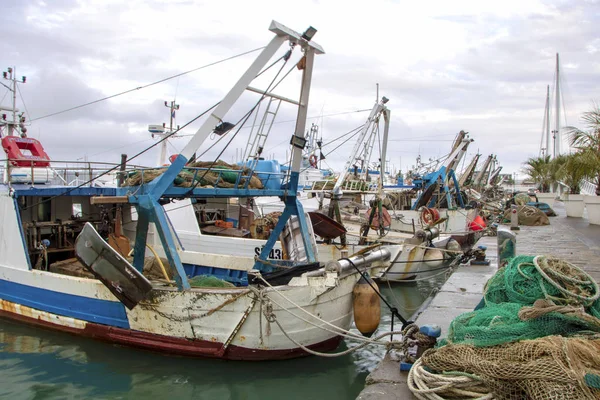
(309, 33)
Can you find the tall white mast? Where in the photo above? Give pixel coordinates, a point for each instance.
(547, 120)
(557, 138)
(544, 151)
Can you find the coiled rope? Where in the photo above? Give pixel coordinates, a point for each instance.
(429, 386)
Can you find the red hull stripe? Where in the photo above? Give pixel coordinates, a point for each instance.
(173, 345)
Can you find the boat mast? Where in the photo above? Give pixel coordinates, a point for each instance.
(159, 130)
(367, 127)
(548, 120)
(383, 155)
(556, 131)
(146, 197)
(544, 151)
(11, 75)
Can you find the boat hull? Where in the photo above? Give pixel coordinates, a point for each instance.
(153, 342)
(213, 323)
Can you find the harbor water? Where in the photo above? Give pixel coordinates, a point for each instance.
(41, 364)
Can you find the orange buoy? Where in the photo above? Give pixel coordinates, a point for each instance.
(367, 306)
(478, 224)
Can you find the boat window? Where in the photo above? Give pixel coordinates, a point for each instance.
(77, 211)
(44, 210)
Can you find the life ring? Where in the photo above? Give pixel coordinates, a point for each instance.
(429, 215)
(313, 160)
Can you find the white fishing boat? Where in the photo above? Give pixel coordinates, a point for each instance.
(276, 309)
(240, 227)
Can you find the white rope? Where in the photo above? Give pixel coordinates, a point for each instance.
(587, 300)
(340, 331)
(343, 353)
(358, 337)
(426, 385)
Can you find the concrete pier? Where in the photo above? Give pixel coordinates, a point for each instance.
(572, 239)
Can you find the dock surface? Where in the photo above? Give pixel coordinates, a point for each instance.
(572, 239)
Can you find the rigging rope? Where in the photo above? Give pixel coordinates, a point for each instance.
(245, 118)
(24, 105)
(126, 161)
(147, 85)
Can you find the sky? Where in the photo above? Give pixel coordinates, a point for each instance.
(478, 66)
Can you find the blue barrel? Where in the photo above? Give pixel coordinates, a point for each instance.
(269, 173)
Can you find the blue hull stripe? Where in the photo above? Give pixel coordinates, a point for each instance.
(84, 308)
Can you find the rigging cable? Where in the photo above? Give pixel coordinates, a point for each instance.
(341, 136)
(24, 105)
(117, 148)
(126, 161)
(3, 97)
(343, 143)
(245, 118)
(148, 85)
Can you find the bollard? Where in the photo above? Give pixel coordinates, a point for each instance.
(514, 218)
(507, 246)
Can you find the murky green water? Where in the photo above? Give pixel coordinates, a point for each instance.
(41, 364)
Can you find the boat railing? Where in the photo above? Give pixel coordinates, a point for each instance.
(64, 173)
(349, 186)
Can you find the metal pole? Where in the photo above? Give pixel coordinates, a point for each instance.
(14, 107)
(557, 130)
(121, 177)
(548, 120)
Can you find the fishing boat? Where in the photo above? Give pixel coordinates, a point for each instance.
(262, 309)
(241, 226)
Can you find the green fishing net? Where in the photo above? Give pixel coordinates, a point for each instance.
(570, 304)
(209, 281)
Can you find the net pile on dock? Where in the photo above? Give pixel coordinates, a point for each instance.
(535, 336)
(219, 174)
(528, 216)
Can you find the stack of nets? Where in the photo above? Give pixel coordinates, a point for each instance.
(536, 336)
(529, 216)
(219, 174)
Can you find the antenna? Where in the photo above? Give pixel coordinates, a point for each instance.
(11, 75)
(162, 130)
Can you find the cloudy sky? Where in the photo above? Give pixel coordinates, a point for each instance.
(480, 66)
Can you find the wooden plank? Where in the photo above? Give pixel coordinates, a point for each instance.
(109, 199)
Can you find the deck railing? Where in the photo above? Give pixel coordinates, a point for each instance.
(349, 186)
(94, 174)
(64, 173)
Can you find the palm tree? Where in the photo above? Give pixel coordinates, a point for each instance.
(539, 170)
(572, 169)
(587, 143)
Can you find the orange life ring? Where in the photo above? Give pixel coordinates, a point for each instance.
(313, 160)
(429, 215)
(25, 152)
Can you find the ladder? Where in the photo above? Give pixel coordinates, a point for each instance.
(256, 141)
